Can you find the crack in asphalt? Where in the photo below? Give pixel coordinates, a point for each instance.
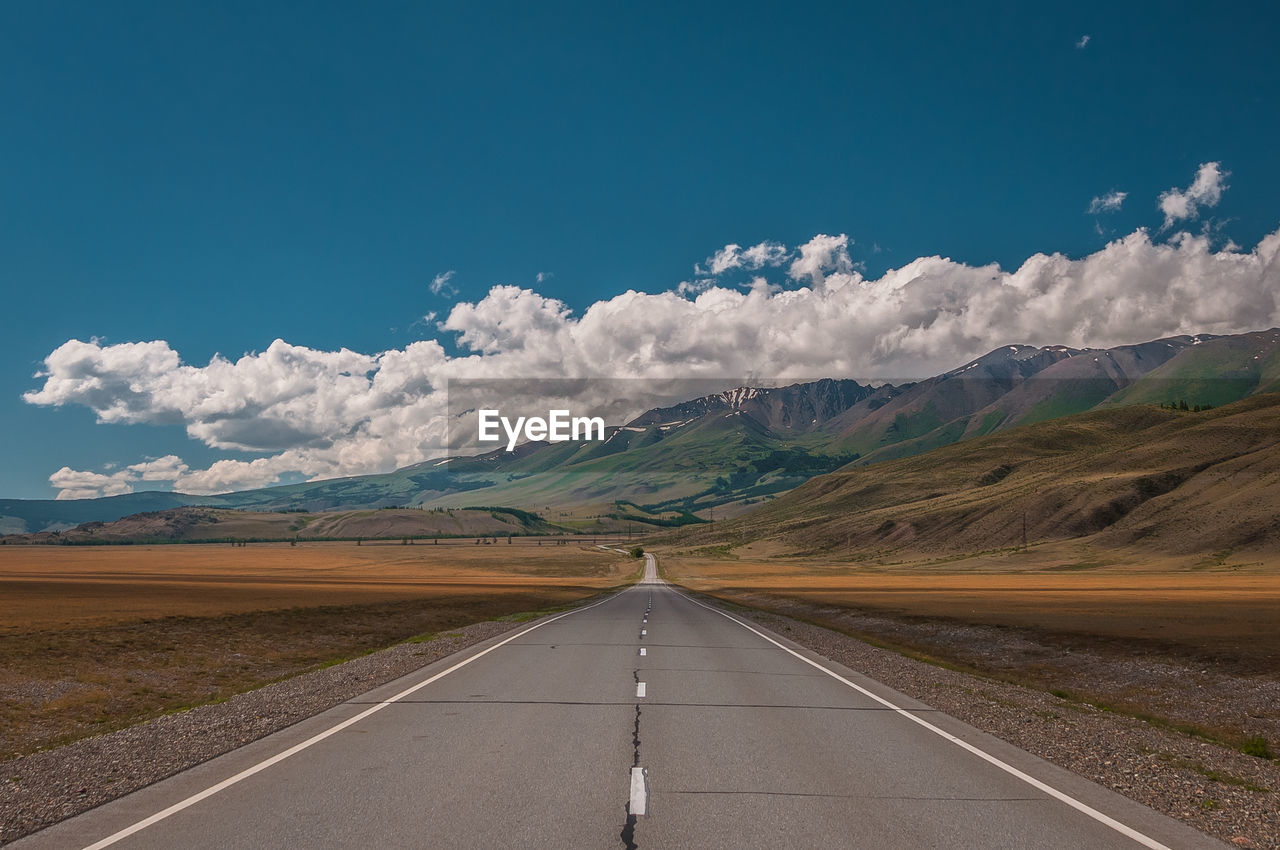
(478, 702)
(628, 833)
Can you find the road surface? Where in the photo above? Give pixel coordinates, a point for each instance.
(646, 720)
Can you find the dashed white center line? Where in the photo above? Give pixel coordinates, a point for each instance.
(644, 651)
(639, 689)
(639, 793)
(643, 632)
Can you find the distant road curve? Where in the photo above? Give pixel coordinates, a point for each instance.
(647, 719)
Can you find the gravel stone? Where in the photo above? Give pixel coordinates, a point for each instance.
(41, 789)
(1219, 791)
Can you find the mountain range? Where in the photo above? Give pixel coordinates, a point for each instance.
(723, 454)
(1182, 483)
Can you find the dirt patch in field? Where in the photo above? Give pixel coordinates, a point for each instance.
(96, 639)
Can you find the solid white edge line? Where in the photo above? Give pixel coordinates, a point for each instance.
(639, 805)
(1084, 808)
(315, 739)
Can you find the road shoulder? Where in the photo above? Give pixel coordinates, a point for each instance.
(1218, 791)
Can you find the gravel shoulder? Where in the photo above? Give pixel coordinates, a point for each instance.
(39, 790)
(1217, 790)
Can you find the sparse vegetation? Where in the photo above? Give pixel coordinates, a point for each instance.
(1181, 404)
(121, 638)
(1080, 630)
(209, 525)
(1256, 745)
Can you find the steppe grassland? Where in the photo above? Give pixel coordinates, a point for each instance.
(95, 638)
(1188, 643)
(1216, 606)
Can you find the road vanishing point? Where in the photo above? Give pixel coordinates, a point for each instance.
(646, 720)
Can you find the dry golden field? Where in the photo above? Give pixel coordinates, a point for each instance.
(1122, 629)
(1223, 611)
(94, 638)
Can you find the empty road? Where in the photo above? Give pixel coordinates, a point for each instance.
(647, 720)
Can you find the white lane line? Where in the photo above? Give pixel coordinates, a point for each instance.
(639, 793)
(639, 689)
(315, 739)
(644, 651)
(1084, 808)
(643, 632)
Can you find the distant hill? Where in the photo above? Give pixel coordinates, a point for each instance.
(1175, 481)
(795, 409)
(200, 524)
(728, 452)
(21, 515)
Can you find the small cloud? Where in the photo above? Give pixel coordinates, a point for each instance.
(1206, 190)
(545, 276)
(167, 468)
(820, 255)
(440, 284)
(687, 288)
(734, 256)
(764, 254)
(82, 484)
(423, 323)
(1110, 202)
(1083, 42)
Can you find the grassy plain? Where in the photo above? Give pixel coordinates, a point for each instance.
(95, 638)
(1213, 608)
(1120, 628)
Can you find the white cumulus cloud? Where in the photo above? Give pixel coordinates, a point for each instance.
(820, 256)
(80, 484)
(764, 254)
(734, 256)
(1205, 191)
(322, 414)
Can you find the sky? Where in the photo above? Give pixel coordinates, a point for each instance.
(248, 243)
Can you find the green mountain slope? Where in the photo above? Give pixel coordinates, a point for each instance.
(727, 451)
(1215, 372)
(1176, 481)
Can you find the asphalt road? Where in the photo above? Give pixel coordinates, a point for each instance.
(647, 720)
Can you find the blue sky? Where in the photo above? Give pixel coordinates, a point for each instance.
(219, 176)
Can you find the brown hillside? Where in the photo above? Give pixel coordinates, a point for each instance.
(213, 524)
(1177, 482)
